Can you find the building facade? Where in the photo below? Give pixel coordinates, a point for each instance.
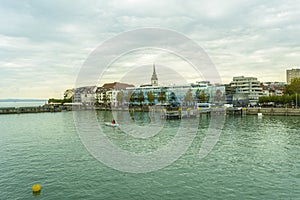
(273, 88)
(247, 90)
(109, 92)
(122, 94)
(85, 95)
(183, 95)
(291, 74)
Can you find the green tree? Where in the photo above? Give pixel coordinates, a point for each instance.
(132, 97)
(294, 87)
(219, 97)
(188, 96)
(172, 97)
(141, 97)
(162, 96)
(105, 99)
(151, 97)
(120, 97)
(264, 99)
(197, 95)
(62, 101)
(284, 99)
(203, 97)
(129, 96)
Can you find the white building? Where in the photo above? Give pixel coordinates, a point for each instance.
(116, 94)
(248, 88)
(107, 94)
(85, 95)
(273, 88)
(201, 91)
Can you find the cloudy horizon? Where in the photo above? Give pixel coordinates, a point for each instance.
(44, 44)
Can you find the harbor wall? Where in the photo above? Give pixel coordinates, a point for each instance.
(231, 111)
(34, 109)
(274, 111)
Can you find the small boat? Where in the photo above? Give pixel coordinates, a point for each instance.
(111, 124)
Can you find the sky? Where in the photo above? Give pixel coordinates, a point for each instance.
(45, 43)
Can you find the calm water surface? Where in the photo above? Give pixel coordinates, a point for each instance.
(22, 104)
(254, 159)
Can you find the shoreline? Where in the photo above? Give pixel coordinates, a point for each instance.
(228, 111)
(274, 111)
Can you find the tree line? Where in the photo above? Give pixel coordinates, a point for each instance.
(139, 97)
(291, 95)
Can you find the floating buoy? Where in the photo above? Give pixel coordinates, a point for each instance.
(36, 188)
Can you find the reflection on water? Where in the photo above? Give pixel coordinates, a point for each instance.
(253, 159)
(158, 132)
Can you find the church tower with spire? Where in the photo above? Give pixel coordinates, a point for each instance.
(154, 80)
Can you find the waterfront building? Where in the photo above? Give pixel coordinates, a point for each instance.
(108, 93)
(202, 84)
(229, 91)
(291, 74)
(122, 94)
(185, 95)
(273, 88)
(247, 90)
(85, 95)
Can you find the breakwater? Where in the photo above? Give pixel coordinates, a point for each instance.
(35, 109)
(60, 108)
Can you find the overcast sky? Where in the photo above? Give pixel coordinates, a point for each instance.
(44, 43)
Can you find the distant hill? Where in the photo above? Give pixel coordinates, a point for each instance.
(23, 100)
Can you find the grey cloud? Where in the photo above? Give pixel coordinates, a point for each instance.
(51, 39)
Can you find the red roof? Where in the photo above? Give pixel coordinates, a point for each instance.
(116, 85)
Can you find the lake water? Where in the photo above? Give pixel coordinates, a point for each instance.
(254, 158)
(22, 103)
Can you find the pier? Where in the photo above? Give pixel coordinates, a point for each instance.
(236, 111)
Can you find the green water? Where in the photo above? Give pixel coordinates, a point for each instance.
(253, 159)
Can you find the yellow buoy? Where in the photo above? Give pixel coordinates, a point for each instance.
(36, 188)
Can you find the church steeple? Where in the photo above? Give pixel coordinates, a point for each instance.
(154, 80)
